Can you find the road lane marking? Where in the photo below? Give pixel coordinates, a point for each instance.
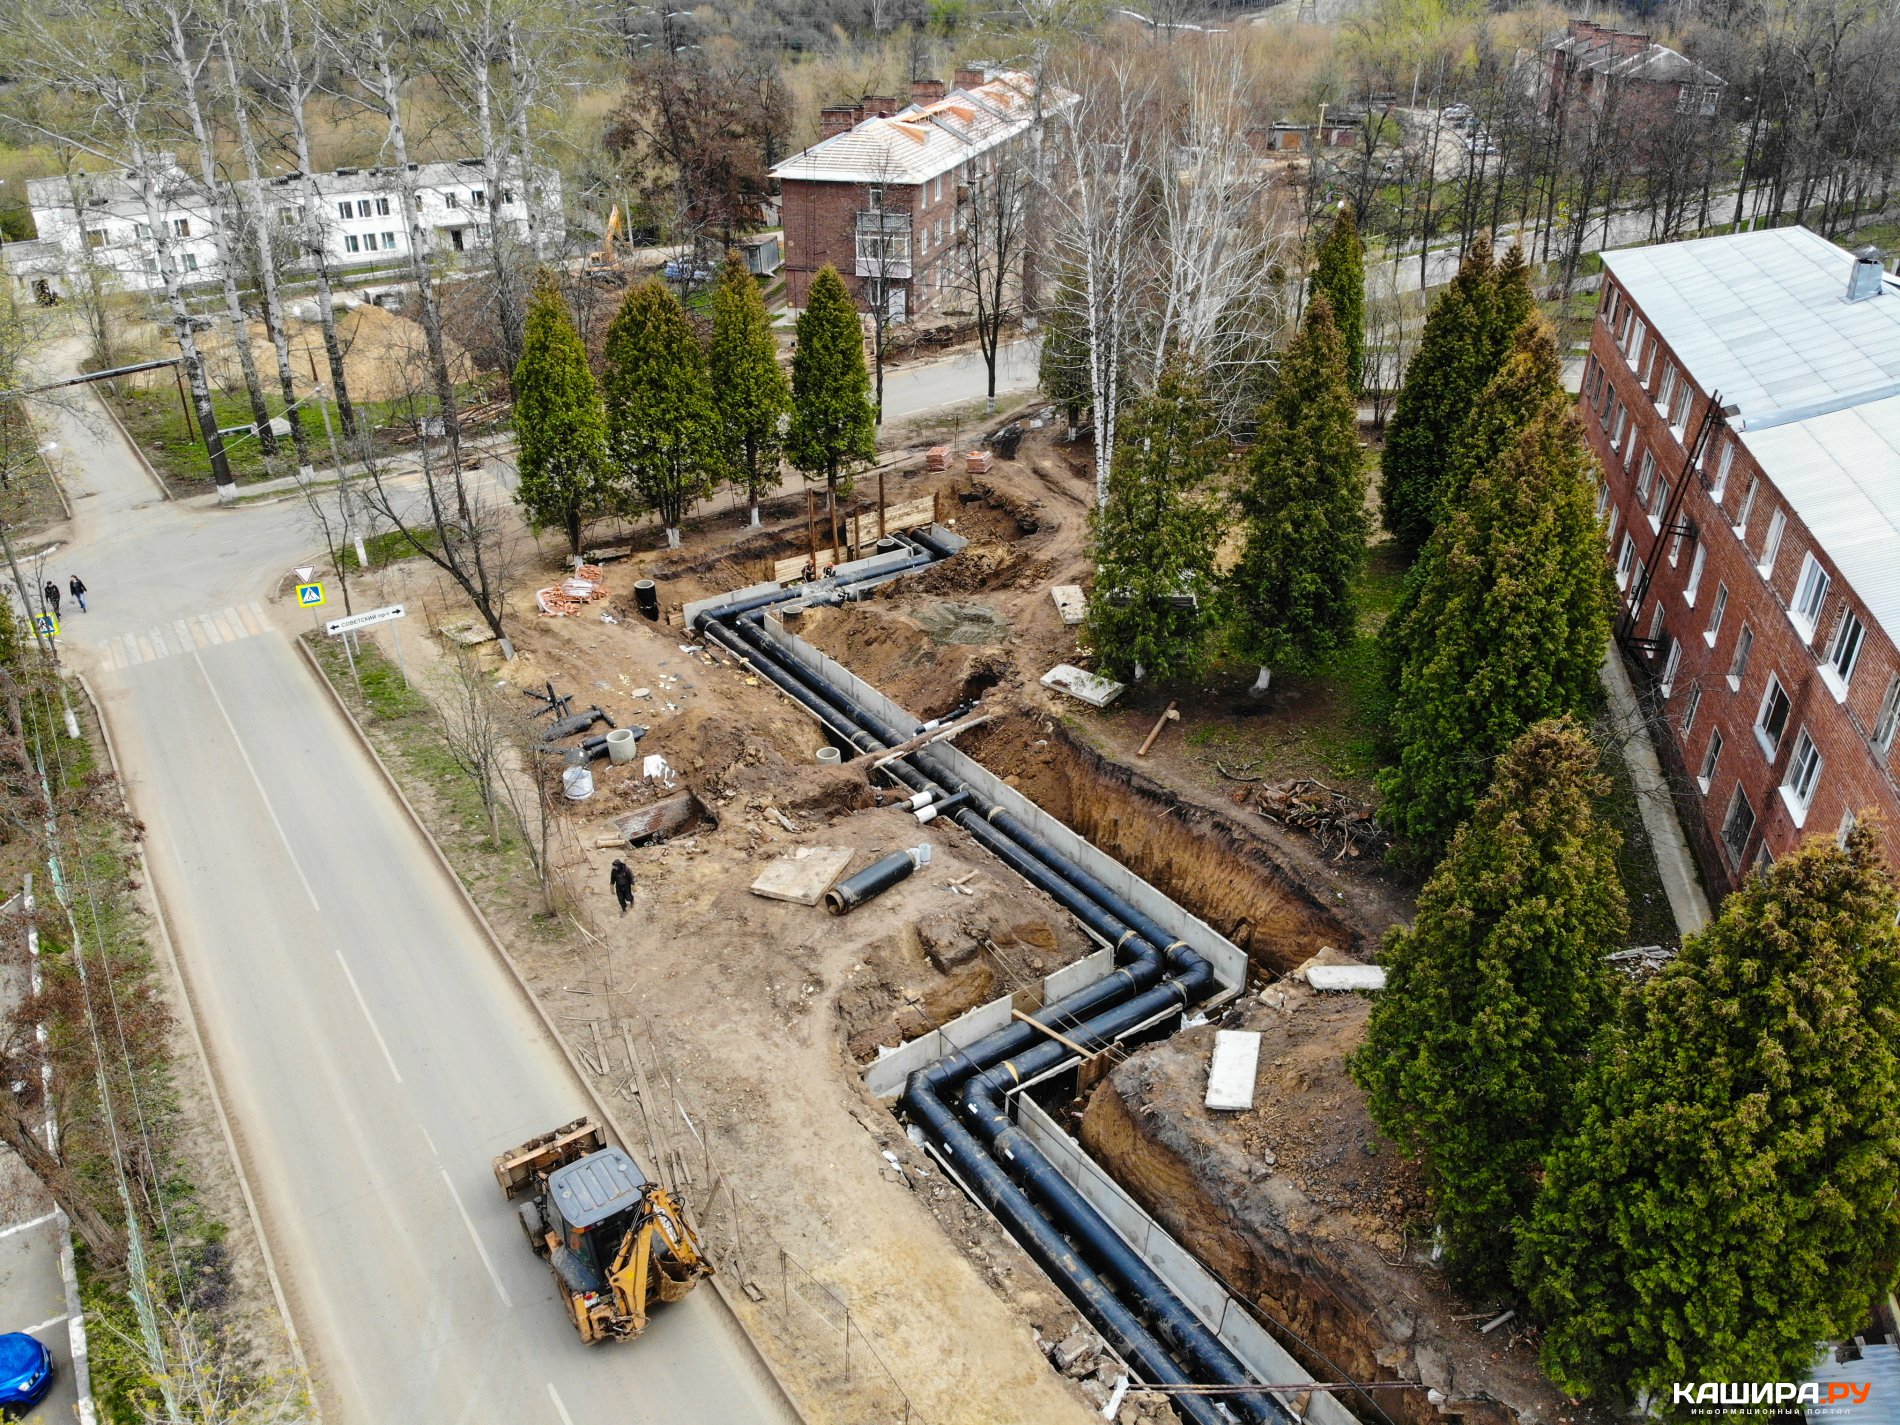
(45, 1325)
(363, 1005)
(25, 1226)
(480, 1250)
(559, 1409)
(258, 782)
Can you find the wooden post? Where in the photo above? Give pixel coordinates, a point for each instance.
(936, 507)
(880, 504)
(1168, 714)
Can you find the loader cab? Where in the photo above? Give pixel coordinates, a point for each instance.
(592, 1201)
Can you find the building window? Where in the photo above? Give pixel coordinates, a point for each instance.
(507, 195)
(1722, 464)
(1637, 582)
(1707, 775)
(1672, 663)
(1844, 653)
(1772, 718)
(1771, 546)
(1617, 426)
(191, 262)
(1659, 502)
(1810, 596)
(1889, 719)
(1616, 518)
(1695, 574)
(1804, 770)
(362, 207)
(346, 209)
(1691, 706)
(1748, 506)
(1848, 822)
(1737, 826)
(1603, 496)
(1738, 665)
(1764, 860)
(1635, 352)
(1624, 562)
(1646, 476)
(353, 243)
(95, 237)
(452, 199)
(1665, 390)
(389, 242)
(1715, 615)
(181, 227)
(479, 197)
(382, 207)
(874, 197)
(287, 217)
(1656, 633)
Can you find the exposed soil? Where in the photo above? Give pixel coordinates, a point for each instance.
(1308, 1211)
(766, 1010)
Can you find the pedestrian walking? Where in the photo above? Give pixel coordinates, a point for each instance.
(622, 879)
(51, 591)
(77, 587)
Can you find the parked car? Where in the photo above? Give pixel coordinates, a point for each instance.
(26, 1374)
(684, 269)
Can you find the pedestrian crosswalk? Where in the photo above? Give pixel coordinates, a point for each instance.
(164, 640)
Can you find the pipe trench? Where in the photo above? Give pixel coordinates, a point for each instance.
(961, 1100)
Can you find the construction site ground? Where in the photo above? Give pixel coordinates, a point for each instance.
(749, 1020)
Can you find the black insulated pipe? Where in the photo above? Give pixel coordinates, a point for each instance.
(873, 880)
(1130, 996)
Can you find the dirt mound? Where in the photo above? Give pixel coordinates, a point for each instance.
(1307, 1210)
(948, 621)
(895, 653)
(1215, 869)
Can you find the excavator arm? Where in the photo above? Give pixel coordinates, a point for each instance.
(640, 1275)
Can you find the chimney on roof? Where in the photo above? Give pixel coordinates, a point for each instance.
(835, 119)
(880, 106)
(1863, 279)
(926, 91)
(971, 78)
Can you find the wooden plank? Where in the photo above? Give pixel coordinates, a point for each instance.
(911, 514)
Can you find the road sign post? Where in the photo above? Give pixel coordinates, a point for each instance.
(348, 625)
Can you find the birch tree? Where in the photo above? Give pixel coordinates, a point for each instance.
(989, 254)
(1098, 224)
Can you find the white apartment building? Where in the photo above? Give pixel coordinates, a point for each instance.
(101, 218)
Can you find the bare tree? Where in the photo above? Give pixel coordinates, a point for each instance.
(475, 731)
(989, 256)
(1099, 223)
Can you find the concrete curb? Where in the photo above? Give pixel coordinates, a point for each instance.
(138, 451)
(177, 968)
(767, 1370)
(76, 1325)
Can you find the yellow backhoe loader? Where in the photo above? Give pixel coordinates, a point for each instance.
(617, 1244)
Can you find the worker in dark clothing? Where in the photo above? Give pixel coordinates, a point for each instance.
(622, 879)
(76, 586)
(51, 591)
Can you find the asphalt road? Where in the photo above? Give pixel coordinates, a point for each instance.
(373, 1055)
(33, 1300)
(951, 380)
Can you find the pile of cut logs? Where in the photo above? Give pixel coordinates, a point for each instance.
(1341, 824)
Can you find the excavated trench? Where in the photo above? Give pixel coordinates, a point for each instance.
(1189, 853)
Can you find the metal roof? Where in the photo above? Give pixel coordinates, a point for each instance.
(1763, 319)
(589, 1190)
(1878, 1366)
(921, 141)
(1841, 474)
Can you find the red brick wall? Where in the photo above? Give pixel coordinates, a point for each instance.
(1853, 777)
(821, 227)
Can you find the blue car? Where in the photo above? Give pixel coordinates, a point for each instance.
(26, 1374)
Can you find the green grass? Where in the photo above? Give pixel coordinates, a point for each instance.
(393, 546)
(1652, 922)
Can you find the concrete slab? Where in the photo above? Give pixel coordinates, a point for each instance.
(1085, 687)
(1346, 977)
(1069, 602)
(1231, 1070)
(1675, 862)
(804, 876)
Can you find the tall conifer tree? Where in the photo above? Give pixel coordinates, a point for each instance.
(750, 392)
(1728, 1201)
(1474, 1047)
(1339, 271)
(834, 425)
(560, 423)
(1155, 536)
(1303, 503)
(660, 421)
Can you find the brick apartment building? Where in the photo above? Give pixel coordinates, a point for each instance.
(1650, 81)
(1743, 396)
(878, 195)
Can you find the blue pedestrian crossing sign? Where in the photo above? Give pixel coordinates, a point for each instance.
(309, 596)
(48, 625)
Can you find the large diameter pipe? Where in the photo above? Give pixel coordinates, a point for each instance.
(874, 880)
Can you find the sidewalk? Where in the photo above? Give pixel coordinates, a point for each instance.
(1674, 861)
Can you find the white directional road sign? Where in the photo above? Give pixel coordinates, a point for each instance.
(363, 620)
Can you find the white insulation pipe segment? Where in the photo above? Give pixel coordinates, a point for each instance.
(922, 799)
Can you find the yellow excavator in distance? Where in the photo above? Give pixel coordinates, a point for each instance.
(603, 261)
(617, 1244)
